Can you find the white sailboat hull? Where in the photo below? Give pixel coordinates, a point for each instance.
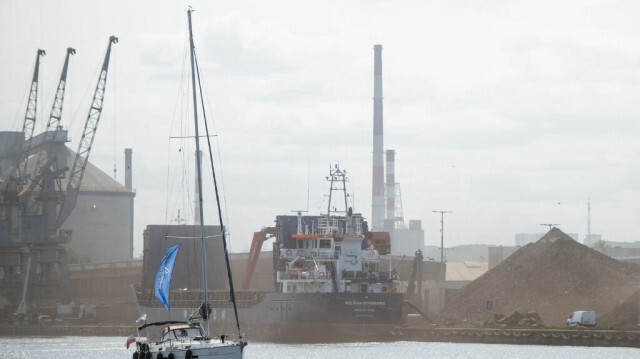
(202, 350)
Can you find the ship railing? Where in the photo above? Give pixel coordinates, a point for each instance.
(309, 253)
(370, 277)
(195, 304)
(324, 254)
(309, 275)
(328, 226)
(218, 299)
(294, 274)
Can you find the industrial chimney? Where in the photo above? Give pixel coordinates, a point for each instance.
(127, 169)
(390, 221)
(377, 203)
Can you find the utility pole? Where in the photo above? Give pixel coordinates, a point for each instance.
(551, 225)
(442, 240)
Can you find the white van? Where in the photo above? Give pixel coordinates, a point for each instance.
(582, 318)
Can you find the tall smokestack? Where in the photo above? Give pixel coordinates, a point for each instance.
(391, 190)
(377, 203)
(127, 169)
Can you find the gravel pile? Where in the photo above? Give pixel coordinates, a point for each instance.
(623, 316)
(554, 277)
(517, 319)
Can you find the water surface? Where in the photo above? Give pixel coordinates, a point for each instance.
(113, 348)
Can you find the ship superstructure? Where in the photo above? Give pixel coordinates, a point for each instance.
(331, 254)
(333, 257)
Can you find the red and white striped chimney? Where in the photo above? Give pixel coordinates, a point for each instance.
(377, 202)
(391, 188)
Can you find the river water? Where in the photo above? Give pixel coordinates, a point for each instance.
(113, 348)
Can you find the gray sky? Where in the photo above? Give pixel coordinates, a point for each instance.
(508, 113)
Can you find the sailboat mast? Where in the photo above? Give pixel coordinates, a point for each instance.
(199, 170)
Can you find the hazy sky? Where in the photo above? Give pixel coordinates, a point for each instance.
(508, 113)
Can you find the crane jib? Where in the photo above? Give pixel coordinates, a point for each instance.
(88, 135)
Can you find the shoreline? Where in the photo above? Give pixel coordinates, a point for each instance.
(569, 337)
(66, 330)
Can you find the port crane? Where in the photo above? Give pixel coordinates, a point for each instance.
(34, 208)
(46, 163)
(28, 125)
(53, 125)
(32, 104)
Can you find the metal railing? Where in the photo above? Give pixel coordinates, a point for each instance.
(328, 226)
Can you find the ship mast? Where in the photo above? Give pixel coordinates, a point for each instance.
(337, 175)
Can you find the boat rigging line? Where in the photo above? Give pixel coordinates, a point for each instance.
(215, 187)
(195, 69)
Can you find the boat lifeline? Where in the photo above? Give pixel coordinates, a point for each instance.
(191, 338)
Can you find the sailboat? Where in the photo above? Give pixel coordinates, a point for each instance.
(191, 338)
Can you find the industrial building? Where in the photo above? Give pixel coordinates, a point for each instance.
(591, 239)
(102, 221)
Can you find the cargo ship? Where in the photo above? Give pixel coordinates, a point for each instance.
(329, 286)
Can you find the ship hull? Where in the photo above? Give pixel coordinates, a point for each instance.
(300, 317)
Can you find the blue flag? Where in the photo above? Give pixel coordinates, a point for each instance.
(163, 277)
